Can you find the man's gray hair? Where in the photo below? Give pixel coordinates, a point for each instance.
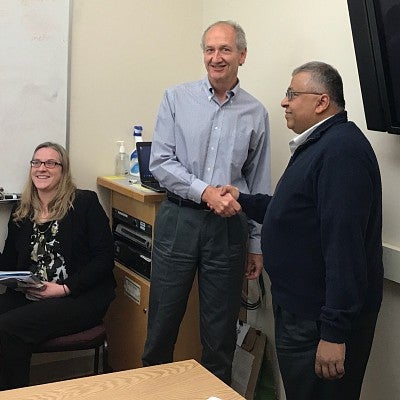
(241, 42)
(326, 78)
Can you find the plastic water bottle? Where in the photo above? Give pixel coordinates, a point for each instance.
(121, 160)
(134, 164)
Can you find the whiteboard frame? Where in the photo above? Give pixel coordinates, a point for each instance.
(5, 208)
(35, 82)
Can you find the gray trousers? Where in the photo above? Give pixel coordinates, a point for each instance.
(187, 241)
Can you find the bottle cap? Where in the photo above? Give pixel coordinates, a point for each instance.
(137, 130)
(121, 146)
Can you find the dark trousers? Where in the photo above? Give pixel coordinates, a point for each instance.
(296, 345)
(25, 323)
(187, 241)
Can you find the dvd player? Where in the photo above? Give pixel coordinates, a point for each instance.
(134, 236)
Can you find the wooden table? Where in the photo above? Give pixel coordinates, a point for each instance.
(182, 380)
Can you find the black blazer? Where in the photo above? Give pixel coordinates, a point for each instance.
(86, 243)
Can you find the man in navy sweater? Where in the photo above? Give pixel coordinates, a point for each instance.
(321, 242)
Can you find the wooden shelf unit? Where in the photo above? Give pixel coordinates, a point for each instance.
(126, 319)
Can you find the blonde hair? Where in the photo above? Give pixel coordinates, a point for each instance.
(30, 205)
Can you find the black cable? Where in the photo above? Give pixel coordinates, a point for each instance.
(253, 306)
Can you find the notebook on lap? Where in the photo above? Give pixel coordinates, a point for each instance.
(147, 179)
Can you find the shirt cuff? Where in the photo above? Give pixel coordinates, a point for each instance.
(254, 246)
(196, 190)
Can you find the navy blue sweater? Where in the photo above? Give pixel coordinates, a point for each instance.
(321, 235)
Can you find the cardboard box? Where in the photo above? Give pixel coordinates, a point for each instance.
(247, 362)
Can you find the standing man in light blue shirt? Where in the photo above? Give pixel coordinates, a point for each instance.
(208, 133)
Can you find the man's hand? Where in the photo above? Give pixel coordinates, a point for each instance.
(254, 265)
(232, 190)
(329, 361)
(222, 204)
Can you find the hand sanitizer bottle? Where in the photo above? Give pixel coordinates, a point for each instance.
(134, 164)
(121, 160)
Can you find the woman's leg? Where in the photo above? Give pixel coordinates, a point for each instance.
(24, 327)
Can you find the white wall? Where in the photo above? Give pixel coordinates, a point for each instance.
(126, 52)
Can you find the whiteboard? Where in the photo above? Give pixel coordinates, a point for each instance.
(34, 67)
(34, 44)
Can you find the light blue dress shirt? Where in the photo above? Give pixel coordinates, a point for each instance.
(199, 142)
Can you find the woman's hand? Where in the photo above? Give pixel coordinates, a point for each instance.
(48, 290)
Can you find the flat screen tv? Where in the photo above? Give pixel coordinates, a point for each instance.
(375, 25)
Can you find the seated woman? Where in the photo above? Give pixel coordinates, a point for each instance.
(62, 235)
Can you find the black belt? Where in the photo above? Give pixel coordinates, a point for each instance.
(181, 202)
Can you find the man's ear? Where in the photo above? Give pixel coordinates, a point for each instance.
(322, 104)
(243, 55)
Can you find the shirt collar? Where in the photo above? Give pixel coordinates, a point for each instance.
(230, 93)
(300, 139)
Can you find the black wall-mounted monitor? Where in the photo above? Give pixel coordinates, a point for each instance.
(375, 25)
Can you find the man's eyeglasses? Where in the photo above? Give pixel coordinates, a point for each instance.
(290, 94)
(48, 163)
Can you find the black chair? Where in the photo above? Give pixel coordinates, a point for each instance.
(93, 338)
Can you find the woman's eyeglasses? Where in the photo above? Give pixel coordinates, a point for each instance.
(48, 163)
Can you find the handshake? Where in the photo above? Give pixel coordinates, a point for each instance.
(222, 200)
